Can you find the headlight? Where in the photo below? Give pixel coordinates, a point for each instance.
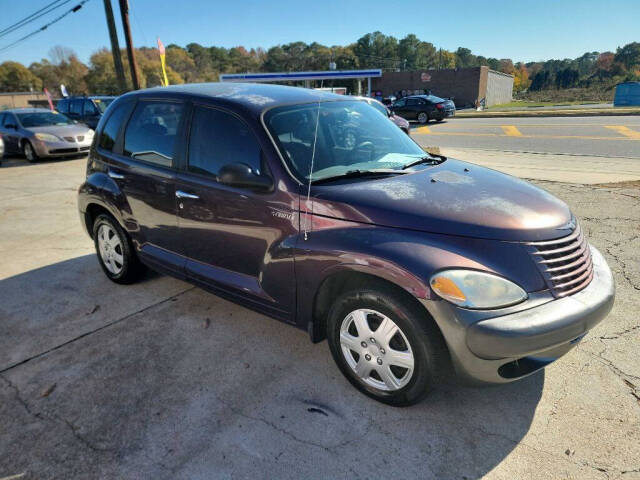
(472, 289)
(90, 133)
(47, 137)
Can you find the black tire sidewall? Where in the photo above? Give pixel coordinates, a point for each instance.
(408, 321)
(130, 270)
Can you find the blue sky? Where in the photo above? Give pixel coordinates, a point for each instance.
(517, 29)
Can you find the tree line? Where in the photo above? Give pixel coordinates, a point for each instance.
(198, 63)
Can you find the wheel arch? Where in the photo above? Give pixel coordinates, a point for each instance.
(347, 279)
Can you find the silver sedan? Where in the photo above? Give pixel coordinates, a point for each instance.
(40, 133)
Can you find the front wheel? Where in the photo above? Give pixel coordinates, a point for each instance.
(387, 348)
(423, 118)
(115, 252)
(29, 152)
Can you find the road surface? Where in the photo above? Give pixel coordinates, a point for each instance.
(592, 136)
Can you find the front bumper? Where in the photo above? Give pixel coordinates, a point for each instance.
(510, 346)
(61, 148)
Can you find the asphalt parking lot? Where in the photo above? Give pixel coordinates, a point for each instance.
(163, 380)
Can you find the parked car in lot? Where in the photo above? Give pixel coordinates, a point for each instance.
(1, 149)
(404, 261)
(422, 108)
(39, 133)
(87, 110)
(399, 121)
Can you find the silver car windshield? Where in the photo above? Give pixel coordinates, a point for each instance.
(43, 119)
(352, 135)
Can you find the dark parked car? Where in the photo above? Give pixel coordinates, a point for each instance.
(399, 121)
(39, 133)
(404, 261)
(423, 108)
(87, 110)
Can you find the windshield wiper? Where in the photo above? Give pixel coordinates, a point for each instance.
(358, 174)
(431, 159)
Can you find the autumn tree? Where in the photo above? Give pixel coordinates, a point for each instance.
(15, 77)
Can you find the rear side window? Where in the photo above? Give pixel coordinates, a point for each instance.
(76, 107)
(412, 101)
(111, 128)
(63, 106)
(151, 132)
(218, 139)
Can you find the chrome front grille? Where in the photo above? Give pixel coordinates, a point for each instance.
(564, 262)
(70, 139)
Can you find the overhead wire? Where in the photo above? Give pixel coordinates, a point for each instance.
(34, 16)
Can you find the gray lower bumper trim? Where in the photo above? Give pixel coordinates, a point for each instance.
(549, 325)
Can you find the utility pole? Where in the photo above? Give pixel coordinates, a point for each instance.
(115, 47)
(124, 11)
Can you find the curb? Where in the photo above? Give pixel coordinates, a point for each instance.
(553, 113)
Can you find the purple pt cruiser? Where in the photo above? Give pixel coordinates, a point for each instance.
(407, 263)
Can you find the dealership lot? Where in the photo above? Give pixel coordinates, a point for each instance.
(163, 380)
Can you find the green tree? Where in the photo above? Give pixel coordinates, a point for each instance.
(15, 77)
(629, 55)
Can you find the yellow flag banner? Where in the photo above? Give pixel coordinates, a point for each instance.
(163, 62)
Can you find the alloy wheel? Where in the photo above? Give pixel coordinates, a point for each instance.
(110, 248)
(28, 152)
(422, 117)
(376, 349)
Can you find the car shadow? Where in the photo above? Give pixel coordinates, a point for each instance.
(162, 376)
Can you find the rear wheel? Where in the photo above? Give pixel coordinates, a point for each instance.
(387, 349)
(423, 118)
(115, 251)
(29, 152)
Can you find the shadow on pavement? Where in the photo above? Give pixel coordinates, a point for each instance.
(163, 380)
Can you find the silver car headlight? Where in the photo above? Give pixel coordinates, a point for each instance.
(46, 137)
(473, 289)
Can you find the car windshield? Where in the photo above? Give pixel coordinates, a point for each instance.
(381, 108)
(102, 103)
(43, 119)
(434, 99)
(352, 135)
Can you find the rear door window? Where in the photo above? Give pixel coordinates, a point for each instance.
(151, 133)
(76, 107)
(217, 139)
(112, 127)
(89, 108)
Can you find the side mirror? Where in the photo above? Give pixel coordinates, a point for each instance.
(240, 175)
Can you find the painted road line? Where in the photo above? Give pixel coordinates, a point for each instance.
(626, 131)
(511, 131)
(560, 137)
(425, 130)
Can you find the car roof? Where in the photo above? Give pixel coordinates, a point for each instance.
(25, 110)
(255, 97)
(89, 97)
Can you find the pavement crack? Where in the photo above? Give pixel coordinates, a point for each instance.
(96, 330)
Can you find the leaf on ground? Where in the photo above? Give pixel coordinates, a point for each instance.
(94, 309)
(48, 391)
(206, 323)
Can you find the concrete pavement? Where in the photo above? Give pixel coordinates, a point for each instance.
(162, 380)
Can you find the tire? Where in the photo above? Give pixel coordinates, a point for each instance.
(115, 251)
(29, 152)
(417, 337)
(423, 118)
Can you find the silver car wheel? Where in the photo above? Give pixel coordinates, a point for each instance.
(423, 117)
(110, 249)
(28, 152)
(376, 349)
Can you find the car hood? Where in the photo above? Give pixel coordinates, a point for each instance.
(455, 198)
(61, 130)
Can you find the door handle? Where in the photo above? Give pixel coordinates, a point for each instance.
(181, 194)
(115, 175)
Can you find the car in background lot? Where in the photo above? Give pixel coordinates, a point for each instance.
(39, 133)
(404, 261)
(399, 121)
(422, 108)
(87, 110)
(1, 149)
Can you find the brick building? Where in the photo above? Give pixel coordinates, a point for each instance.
(467, 86)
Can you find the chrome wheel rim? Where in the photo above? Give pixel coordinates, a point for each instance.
(376, 349)
(28, 151)
(110, 249)
(422, 118)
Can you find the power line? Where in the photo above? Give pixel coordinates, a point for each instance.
(34, 16)
(44, 27)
